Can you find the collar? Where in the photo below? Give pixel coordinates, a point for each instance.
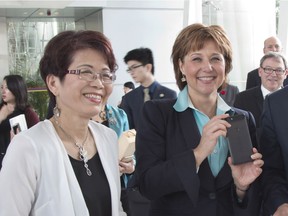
(183, 102)
(152, 87)
(265, 91)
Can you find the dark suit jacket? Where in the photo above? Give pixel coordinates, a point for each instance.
(166, 167)
(254, 80)
(251, 100)
(274, 147)
(133, 101)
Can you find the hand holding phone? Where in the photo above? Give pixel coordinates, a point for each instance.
(239, 141)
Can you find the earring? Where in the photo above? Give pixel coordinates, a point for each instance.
(183, 79)
(56, 111)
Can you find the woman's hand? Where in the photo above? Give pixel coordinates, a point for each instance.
(216, 127)
(126, 167)
(245, 174)
(282, 210)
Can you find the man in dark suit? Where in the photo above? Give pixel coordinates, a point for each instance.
(140, 64)
(274, 147)
(272, 72)
(270, 44)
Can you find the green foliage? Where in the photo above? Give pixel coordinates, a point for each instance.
(37, 95)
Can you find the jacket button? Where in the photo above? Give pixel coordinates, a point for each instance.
(212, 196)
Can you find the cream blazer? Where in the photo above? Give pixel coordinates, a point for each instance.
(37, 178)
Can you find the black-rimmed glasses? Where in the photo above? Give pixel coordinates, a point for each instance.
(278, 71)
(106, 77)
(129, 69)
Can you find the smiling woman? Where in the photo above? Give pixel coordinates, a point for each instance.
(76, 67)
(184, 139)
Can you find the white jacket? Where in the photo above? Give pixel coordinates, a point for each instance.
(37, 178)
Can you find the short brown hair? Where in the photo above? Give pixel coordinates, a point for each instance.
(193, 38)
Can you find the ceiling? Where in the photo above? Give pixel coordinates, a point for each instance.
(69, 12)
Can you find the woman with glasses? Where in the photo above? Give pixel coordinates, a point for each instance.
(67, 165)
(183, 162)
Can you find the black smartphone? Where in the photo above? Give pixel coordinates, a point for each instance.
(239, 141)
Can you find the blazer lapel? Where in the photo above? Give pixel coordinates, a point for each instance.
(192, 138)
(189, 127)
(259, 99)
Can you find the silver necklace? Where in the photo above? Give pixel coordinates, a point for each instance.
(83, 154)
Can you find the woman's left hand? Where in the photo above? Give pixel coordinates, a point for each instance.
(126, 167)
(245, 174)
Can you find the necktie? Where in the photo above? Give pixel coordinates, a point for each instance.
(146, 94)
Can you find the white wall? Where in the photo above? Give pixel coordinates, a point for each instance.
(129, 29)
(283, 23)
(248, 23)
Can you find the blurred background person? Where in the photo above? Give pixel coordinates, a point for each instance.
(272, 72)
(141, 67)
(14, 102)
(272, 44)
(128, 86)
(67, 165)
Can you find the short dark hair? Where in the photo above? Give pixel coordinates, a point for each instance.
(129, 85)
(143, 55)
(17, 86)
(273, 55)
(60, 50)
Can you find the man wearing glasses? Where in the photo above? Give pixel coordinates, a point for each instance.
(140, 64)
(271, 44)
(272, 72)
(141, 68)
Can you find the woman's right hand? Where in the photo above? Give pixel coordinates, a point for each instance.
(216, 127)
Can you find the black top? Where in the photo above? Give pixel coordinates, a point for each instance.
(95, 188)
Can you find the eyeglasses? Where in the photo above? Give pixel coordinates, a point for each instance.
(278, 71)
(133, 67)
(89, 75)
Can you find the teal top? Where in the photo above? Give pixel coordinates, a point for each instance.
(217, 158)
(118, 121)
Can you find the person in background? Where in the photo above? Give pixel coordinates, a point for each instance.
(141, 67)
(128, 86)
(183, 165)
(67, 165)
(273, 44)
(273, 72)
(273, 146)
(116, 119)
(14, 102)
(228, 92)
